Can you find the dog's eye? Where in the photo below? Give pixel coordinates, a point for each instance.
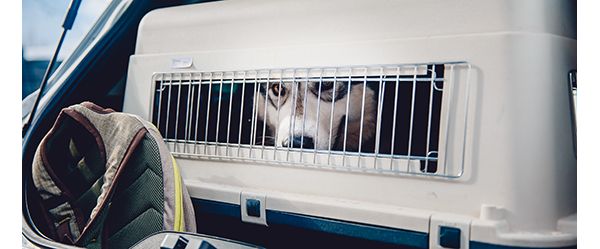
(326, 85)
(278, 89)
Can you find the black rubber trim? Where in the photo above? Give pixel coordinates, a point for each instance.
(356, 230)
(351, 229)
(482, 245)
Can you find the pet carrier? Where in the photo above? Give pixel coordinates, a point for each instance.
(431, 124)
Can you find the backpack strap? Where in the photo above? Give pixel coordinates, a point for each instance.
(115, 134)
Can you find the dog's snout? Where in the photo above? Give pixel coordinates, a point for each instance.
(299, 142)
(303, 142)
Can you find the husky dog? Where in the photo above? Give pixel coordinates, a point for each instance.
(313, 115)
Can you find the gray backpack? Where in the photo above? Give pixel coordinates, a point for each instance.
(106, 179)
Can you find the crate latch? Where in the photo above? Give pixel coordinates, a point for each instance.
(253, 207)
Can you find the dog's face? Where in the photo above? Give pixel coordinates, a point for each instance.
(312, 115)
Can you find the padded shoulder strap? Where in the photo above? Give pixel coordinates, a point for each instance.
(117, 131)
(113, 133)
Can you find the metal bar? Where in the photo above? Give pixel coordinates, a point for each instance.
(450, 101)
(292, 117)
(219, 110)
(334, 87)
(168, 107)
(572, 75)
(386, 66)
(197, 116)
(229, 115)
(254, 115)
(316, 139)
(362, 115)
(335, 153)
(304, 116)
(295, 164)
(177, 112)
(412, 115)
(159, 92)
(71, 13)
(429, 118)
(281, 86)
(378, 127)
(393, 143)
(241, 115)
(372, 79)
(187, 114)
(208, 112)
(468, 83)
(346, 122)
(264, 129)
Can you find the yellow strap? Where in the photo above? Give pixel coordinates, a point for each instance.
(178, 226)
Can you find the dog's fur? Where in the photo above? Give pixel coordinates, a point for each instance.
(291, 110)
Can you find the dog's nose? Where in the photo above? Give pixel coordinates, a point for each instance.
(300, 142)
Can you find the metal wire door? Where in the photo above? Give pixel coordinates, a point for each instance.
(379, 119)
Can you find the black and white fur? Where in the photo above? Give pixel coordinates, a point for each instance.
(302, 111)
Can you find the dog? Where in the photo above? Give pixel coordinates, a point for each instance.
(316, 114)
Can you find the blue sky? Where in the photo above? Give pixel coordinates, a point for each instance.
(42, 20)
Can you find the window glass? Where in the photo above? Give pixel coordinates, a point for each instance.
(42, 26)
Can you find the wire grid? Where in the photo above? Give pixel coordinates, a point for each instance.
(220, 116)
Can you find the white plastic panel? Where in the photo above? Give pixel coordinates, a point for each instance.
(518, 151)
(270, 24)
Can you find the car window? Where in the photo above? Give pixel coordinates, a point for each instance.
(42, 26)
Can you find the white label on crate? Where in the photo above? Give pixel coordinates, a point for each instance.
(181, 62)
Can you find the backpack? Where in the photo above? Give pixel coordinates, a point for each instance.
(107, 180)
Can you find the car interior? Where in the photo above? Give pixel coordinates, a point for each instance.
(335, 124)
